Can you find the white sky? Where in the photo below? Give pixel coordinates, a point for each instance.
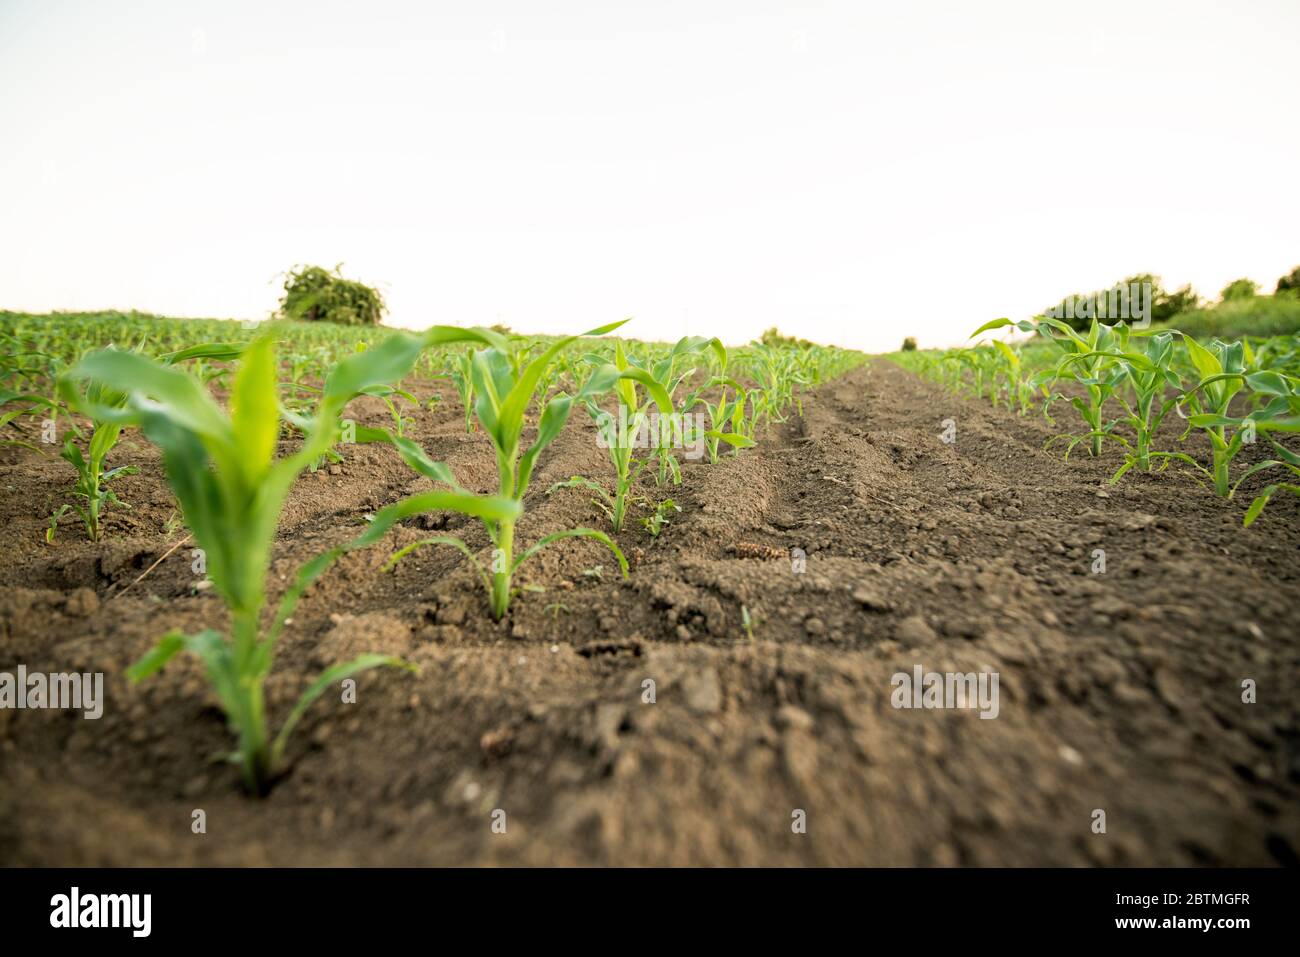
(852, 172)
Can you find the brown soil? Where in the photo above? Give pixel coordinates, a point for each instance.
(1120, 691)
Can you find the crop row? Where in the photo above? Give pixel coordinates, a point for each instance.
(295, 381)
(1124, 382)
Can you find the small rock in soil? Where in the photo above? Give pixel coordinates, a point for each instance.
(870, 599)
(913, 631)
(794, 718)
(701, 691)
(83, 603)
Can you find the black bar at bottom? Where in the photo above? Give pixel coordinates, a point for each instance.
(332, 907)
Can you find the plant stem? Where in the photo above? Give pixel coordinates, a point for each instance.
(1219, 449)
(250, 707)
(620, 504)
(92, 509)
(503, 559)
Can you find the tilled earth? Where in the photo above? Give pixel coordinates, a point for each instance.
(1121, 691)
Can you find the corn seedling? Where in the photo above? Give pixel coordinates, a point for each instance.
(619, 434)
(390, 395)
(504, 385)
(1289, 461)
(779, 371)
(672, 431)
(462, 377)
(92, 487)
(656, 523)
(1000, 366)
(92, 482)
(30, 404)
(1223, 374)
(1098, 362)
(231, 491)
(726, 417)
(1149, 385)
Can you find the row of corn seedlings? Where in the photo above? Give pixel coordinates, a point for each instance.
(1125, 382)
(231, 485)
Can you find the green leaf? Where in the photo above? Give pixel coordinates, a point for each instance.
(411, 454)
(581, 481)
(1261, 500)
(548, 430)
(1209, 420)
(1257, 506)
(1206, 362)
(447, 335)
(1007, 351)
(732, 438)
(255, 410)
(451, 540)
(719, 353)
(318, 687)
(991, 324)
(386, 363)
(656, 391)
(490, 373)
(208, 350)
(1270, 383)
(184, 398)
(157, 657)
(573, 533)
(488, 508)
(516, 402)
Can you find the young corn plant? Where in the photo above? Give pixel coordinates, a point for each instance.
(1149, 407)
(22, 370)
(504, 384)
(778, 371)
(92, 494)
(1222, 368)
(390, 395)
(30, 404)
(1016, 388)
(1093, 361)
(656, 523)
(462, 377)
(301, 365)
(1289, 461)
(1276, 405)
(231, 491)
(673, 431)
(92, 486)
(620, 434)
(726, 416)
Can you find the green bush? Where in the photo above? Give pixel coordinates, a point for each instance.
(1290, 282)
(320, 295)
(1240, 289)
(774, 337)
(909, 344)
(1233, 318)
(1165, 303)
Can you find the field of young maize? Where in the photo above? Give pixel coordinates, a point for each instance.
(464, 597)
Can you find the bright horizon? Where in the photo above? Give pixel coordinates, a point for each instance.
(851, 173)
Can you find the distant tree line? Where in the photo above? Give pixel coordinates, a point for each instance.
(1147, 290)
